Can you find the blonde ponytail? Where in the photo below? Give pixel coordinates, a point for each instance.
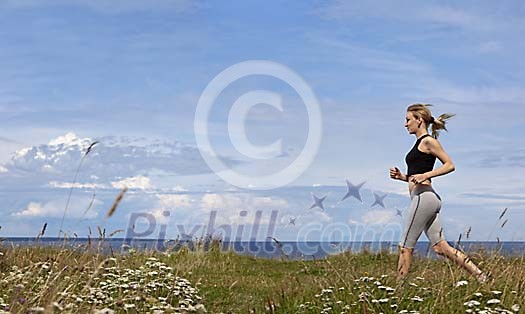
(439, 124)
(422, 111)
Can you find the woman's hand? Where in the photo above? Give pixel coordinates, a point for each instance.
(418, 178)
(395, 173)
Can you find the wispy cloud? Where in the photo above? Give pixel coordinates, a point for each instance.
(8, 140)
(475, 18)
(493, 158)
(494, 196)
(68, 185)
(381, 217)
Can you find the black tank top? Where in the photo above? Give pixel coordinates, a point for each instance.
(419, 162)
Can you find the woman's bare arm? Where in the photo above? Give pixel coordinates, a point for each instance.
(435, 148)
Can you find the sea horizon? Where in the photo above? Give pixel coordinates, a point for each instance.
(268, 248)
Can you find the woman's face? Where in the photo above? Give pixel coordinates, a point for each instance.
(411, 123)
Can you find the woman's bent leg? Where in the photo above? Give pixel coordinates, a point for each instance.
(462, 260)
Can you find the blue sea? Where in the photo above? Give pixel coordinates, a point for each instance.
(263, 249)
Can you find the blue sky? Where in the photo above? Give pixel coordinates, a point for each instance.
(130, 74)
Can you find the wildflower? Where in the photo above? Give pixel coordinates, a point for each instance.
(37, 309)
(57, 306)
(478, 294)
(515, 308)
(471, 303)
(493, 301)
(461, 283)
(420, 278)
(496, 292)
(413, 284)
(417, 299)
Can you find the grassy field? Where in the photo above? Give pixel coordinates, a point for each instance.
(53, 280)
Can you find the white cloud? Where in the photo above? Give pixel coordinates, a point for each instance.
(62, 154)
(321, 216)
(179, 188)
(68, 185)
(169, 205)
(138, 182)
(229, 207)
(55, 209)
(161, 215)
(381, 217)
(3, 169)
(111, 159)
(240, 201)
(189, 210)
(34, 209)
(69, 139)
(174, 201)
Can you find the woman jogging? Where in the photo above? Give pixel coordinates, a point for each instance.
(423, 214)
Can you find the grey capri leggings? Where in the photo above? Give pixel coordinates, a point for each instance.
(423, 215)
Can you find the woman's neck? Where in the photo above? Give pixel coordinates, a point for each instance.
(420, 133)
